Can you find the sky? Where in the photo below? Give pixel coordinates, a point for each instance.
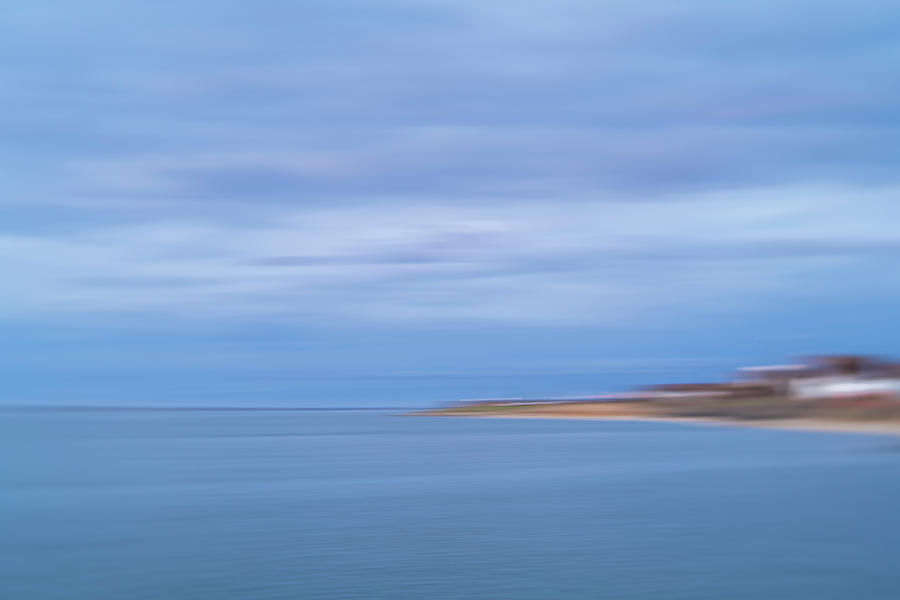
(402, 202)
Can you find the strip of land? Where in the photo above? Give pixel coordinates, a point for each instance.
(766, 414)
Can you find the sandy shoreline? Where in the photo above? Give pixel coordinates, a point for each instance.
(821, 425)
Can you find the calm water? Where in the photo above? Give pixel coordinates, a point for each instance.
(316, 505)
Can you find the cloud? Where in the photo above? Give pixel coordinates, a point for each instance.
(391, 160)
(610, 262)
(359, 100)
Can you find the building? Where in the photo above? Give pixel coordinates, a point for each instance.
(831, 377)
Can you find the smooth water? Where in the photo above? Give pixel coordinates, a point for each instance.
(180, 505)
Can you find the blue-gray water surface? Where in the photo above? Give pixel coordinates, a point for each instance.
(221, 505)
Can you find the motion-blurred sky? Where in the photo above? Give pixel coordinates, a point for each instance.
(293, 202)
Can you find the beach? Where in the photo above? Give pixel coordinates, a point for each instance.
(596, 412)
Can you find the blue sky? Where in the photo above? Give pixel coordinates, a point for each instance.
(401, 202)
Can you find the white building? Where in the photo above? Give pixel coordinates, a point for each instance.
(842, 386)
(831, 377)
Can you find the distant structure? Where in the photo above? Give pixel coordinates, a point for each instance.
(830, 377)
(843, 378)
